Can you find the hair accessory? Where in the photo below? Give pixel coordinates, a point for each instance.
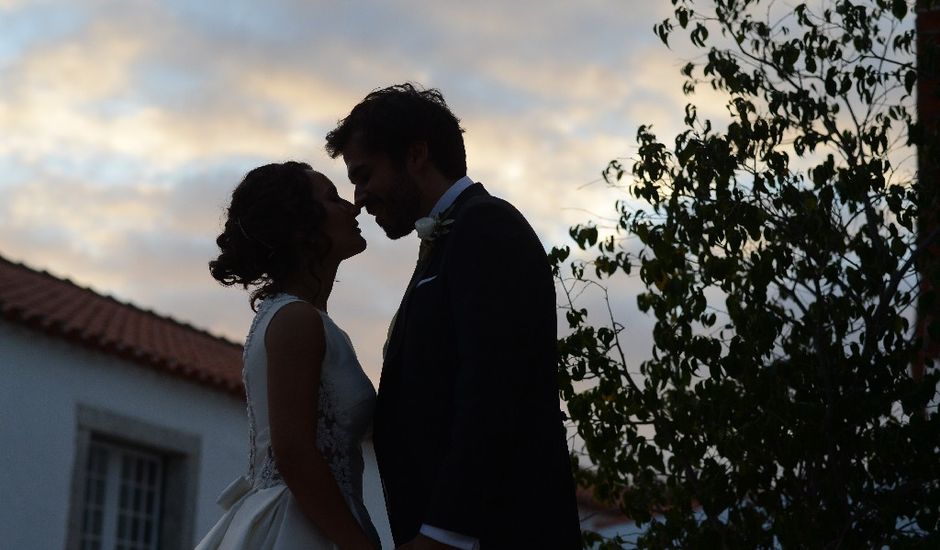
(238, 222)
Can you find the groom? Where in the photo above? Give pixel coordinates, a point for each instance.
(468, 433)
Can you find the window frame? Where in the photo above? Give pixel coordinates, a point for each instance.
(180, 452)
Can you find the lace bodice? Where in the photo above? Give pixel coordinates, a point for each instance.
(346, 402)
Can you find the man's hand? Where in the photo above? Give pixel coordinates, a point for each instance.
(422, 542)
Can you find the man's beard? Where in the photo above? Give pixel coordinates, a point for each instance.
(401, 208)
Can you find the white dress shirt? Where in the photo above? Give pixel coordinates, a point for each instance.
(450, 195)
(451, 538)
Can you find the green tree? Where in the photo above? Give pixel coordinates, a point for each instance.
(779, 255)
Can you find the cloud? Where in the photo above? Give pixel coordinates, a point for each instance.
(94, 92)
(128, 127)
(95, 215)
(11, 4)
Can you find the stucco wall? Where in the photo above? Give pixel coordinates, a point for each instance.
(43, 381)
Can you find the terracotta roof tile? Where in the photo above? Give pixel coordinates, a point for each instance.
(60, 308)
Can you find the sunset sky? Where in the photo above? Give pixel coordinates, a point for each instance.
(126, 124)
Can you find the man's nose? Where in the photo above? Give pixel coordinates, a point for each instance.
(359, 196)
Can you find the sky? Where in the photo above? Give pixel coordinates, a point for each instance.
(125, 125)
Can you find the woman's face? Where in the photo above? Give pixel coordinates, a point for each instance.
(340, 224)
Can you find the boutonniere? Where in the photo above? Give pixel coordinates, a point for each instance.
(430, 229)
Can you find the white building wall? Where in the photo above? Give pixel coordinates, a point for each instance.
(42, 382)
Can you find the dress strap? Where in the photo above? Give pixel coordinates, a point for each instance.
(259, 324)
(268, 308)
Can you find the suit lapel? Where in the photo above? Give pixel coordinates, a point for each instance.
(421, 269)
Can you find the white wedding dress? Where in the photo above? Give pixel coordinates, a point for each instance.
(260, 511)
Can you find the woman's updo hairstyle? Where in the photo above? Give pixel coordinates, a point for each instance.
(273, 206)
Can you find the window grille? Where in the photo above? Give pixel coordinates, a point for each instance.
(123, 490)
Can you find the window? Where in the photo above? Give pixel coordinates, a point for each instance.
(133, 485)
(123, 490)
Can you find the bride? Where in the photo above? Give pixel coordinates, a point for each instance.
(309, 402)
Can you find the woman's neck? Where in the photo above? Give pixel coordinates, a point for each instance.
(312, 286)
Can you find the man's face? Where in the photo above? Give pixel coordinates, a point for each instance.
(383, 189)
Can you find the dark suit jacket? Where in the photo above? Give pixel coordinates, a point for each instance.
(468, 430)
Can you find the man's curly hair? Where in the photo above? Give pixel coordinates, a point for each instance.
(391, 119)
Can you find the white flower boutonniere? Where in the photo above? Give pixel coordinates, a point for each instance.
(431, 228)
(425, 228)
